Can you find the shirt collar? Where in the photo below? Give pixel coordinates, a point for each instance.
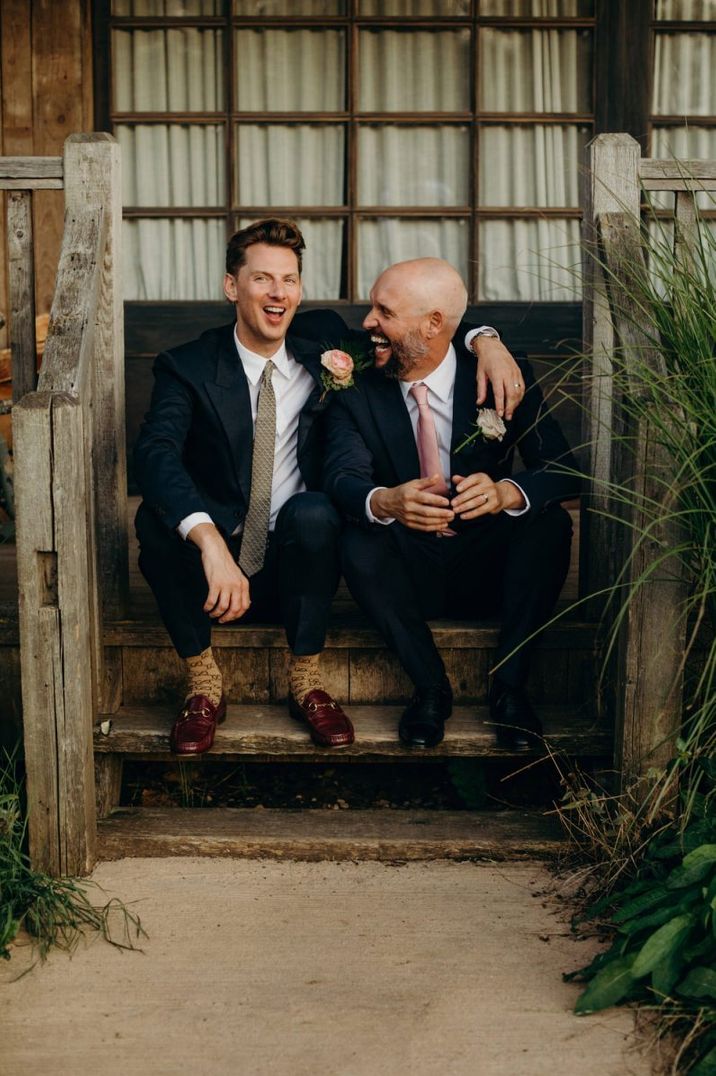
(441, 380)
(254, 364)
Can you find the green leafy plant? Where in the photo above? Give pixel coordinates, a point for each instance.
(55, 912)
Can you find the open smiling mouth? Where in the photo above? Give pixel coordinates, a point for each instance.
(381, 346)
(274, 314)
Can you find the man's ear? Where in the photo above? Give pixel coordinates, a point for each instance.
(435, 323)
(230, 288)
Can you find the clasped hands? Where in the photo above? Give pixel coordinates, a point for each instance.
(413, 505)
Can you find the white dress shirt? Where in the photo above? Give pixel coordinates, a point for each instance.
(292, 385)
(441, 386)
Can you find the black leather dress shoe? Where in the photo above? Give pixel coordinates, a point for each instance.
(517, 727)
(423, 722)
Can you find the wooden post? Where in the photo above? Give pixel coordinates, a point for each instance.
(612, 185)
(55, 610)
(21, 265)
(649, 668)
(93, 179)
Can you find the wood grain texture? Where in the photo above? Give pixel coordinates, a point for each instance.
(651, 647)
(93, 185)
(611, 184)
(21, 285)
(31, 168)
(270, 731)
(336, 835)
(108, 783)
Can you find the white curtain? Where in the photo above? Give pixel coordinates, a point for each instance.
(685, 74)
(686, 9)
(529, 260)
(382, 242)
(182, 165)
(531, 166)
(538, 8)
(407, 8)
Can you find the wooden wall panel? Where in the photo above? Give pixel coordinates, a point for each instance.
(46, 76)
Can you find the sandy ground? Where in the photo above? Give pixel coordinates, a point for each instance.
(340, 969)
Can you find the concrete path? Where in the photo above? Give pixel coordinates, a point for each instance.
(317, 969)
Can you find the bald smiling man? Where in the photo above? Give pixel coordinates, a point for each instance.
(433, 529)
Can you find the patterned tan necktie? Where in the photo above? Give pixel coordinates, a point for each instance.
(255, 538)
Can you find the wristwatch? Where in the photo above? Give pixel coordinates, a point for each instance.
(487, 330)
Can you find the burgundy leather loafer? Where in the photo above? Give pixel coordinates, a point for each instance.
(194, 729)
(329, 726)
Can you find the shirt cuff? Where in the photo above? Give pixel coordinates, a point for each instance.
(469, 337)
(191, 521)
(517, 511)
(369, 515)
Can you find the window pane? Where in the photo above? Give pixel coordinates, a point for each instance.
(531, 166)
(290, 70)
(443, 8)
(286, 166)
(686, 9)
(427, 166)
(383, 242)
(414, 71)
(685, 75)
(259, 8)
(168, 70)
(536, 70)
(172, 164)
(322, 258)
(171, 8)
(523, 260)
(538, 8)
(685, 144)
(173, 259)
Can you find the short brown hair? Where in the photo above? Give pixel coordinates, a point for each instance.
(275, 231)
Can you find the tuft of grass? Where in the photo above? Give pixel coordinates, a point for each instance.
(55, 912)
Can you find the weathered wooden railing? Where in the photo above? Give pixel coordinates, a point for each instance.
(70, 481)
(647, 672)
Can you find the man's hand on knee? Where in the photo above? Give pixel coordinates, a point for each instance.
(229, 595)
(496, 365)
(413, 505)
(477, 495)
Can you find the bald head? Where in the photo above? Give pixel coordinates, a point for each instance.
(427, 285)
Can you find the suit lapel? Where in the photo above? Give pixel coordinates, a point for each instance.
(229, 393)
(464, 408)
(385, 399)
(309, 355)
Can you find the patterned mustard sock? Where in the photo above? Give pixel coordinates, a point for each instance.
(203, 677)
(304, 675)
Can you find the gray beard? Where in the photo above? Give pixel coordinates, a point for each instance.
(405, 356)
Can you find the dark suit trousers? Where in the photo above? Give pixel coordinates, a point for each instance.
(509, 567)
(296, 584)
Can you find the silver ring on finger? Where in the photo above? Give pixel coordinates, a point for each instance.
(485, 498)
(518, 384)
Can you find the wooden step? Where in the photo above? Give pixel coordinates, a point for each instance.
(269, 732)
(385, 835)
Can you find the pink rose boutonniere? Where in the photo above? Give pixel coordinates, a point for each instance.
(488, 427)
(339, 367)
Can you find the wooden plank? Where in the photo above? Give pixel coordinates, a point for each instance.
(611, 184)
(31, 184)
(683, 184)
(67, 362)
(673, 171)
(31, 168)
(270, 731)
(349, 631)
(110, 694)
(108, 783)
(39, 626)
(75, 600)
(381, 835)
(685, 230)
(21, 280)
(93, 180)
(57, 80)
(650, 673)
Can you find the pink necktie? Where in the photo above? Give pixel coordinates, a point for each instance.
(427, 438)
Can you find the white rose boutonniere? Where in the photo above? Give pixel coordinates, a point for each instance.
(488, 427)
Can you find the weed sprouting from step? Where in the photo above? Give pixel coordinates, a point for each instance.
(55, 912)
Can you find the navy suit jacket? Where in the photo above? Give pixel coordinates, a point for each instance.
(193, 453)
(370, 442)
